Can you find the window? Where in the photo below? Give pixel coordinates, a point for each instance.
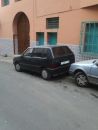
(37, 52)
(61, 51)
(40, 38)
(52, 23)
(5, 2)
(89, 38)
(42, 52)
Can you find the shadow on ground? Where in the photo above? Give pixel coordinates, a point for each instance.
(62, 79)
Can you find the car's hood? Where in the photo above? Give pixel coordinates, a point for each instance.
(85, 63)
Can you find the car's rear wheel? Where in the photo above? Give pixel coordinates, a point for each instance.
(45, 74)
(81, 79)
(17, 67)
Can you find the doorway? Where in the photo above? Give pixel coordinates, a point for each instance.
(21, 29)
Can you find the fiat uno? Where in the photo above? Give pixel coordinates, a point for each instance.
(46, 60)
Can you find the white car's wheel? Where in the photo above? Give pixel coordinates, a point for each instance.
(45, 74)
(81, 79)
(17, 67)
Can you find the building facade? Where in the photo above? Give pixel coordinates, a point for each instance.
(25, 23)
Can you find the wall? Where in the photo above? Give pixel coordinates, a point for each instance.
(9, 12)
(7, 15)
(70, 13)
(70, 20)
(46, 7)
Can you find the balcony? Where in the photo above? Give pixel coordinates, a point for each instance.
(88, 3)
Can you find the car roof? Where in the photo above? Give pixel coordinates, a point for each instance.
(48, 46)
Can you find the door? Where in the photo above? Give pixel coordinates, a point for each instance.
(23, 33)
(32, 60)
(40, 38)
(26, 59)
(52, 38)
(37, 59)
(94, 74)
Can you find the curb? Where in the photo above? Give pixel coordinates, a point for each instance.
(6, 59)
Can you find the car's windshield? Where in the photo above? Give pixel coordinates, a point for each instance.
(61, 51)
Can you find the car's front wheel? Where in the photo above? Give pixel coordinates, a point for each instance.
(81, 79)
(45, 74)
(17, 67)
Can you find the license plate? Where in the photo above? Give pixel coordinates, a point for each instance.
(65, 62)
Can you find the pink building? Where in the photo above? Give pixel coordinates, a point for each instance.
(25, 23)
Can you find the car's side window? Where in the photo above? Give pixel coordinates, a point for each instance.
(41, 53)
(49, 54)
(36, 52)
(44, 53)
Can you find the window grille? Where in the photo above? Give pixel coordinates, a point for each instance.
(89, 38)
(52, 23)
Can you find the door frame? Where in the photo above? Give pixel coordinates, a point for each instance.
(15, 31)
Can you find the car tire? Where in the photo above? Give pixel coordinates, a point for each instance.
(17, 67)
(45, 74)
(81, 79)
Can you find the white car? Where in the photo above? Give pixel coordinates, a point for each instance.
(85, 72)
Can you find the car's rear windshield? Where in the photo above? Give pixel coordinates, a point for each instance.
(61, 51)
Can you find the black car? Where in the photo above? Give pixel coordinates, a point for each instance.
(46, 60)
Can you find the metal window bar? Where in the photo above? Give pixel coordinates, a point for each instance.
(89, 38)
(52, 23)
